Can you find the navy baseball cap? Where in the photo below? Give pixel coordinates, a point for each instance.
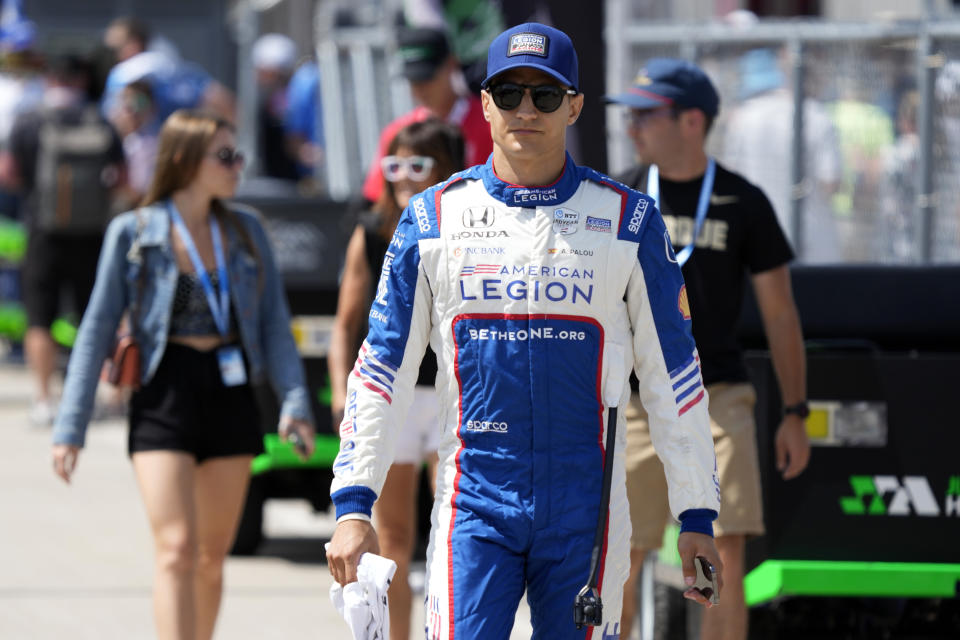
(534, 45)
(668, 81)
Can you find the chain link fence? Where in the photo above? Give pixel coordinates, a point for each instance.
(853, 131)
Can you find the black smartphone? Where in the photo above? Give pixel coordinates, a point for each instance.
(706, 582)
(297, 442)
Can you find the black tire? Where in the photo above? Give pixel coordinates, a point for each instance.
(662, 608)
(250, 531)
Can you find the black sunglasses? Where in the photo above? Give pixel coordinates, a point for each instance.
(228, 157)
(547, 98)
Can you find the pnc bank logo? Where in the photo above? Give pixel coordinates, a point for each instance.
(889, 496)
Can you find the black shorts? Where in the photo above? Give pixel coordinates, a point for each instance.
(53, 262)
(186, 407)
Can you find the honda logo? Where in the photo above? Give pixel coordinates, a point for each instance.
(478, 217)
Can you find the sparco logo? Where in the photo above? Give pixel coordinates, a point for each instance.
(420, 208)
(486, 425)
(637, 217)
(467, 235)
(912, 496)
(478, 217)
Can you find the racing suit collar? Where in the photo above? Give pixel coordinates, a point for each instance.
(514, 195)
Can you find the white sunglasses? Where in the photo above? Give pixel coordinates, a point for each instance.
(417, 168)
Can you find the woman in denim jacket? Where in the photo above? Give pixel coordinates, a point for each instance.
(207, 308)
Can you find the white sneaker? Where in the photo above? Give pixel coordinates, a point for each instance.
(41, 413)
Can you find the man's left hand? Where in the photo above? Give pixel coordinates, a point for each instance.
(690, 545)
(792, 446)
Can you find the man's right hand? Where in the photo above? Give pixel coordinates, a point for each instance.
(351, 539)
(691, 545)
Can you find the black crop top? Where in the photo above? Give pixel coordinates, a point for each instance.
(191, 312)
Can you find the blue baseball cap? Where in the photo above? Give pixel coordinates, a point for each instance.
(668, 81)
(534, 45)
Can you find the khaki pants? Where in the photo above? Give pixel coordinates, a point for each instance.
(734, 437)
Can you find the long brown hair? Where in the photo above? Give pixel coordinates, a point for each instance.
(182, 145)
(431, 137)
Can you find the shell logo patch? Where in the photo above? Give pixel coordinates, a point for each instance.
(683, 303)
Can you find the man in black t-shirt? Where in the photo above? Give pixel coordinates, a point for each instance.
(672, 106)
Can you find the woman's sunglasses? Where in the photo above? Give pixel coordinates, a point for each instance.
(547, 98)
(228, 157)
(417, 168)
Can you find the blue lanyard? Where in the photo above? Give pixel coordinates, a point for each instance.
(221, 311)
(653, 188)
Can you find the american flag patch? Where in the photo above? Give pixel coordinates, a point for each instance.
(434, 618)
(479, 270)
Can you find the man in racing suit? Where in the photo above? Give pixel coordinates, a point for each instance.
(537, 301)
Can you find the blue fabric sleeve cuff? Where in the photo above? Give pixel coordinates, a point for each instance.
(354, 500)
(698, 521)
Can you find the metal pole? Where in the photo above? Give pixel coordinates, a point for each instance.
(926, 197)
(797, 168)
(365, 102)
(336, 165)
(619, 149)
(247, 26)
(335, 133)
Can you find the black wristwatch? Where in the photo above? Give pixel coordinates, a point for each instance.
(801, 409)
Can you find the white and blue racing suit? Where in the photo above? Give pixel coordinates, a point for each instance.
(537, 302)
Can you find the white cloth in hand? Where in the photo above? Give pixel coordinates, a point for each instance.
(363, 604)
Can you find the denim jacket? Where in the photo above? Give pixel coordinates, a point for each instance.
(263, 316)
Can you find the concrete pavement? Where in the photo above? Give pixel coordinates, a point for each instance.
(76, 561)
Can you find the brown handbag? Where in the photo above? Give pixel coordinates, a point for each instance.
(122, 366)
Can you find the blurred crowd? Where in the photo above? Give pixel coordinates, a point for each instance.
(855, 200)
(137, 79)
(859, 159)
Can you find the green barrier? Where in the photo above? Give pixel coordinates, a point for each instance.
(13, 321)
(281, 455)
(776, 578)
(13, 240)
